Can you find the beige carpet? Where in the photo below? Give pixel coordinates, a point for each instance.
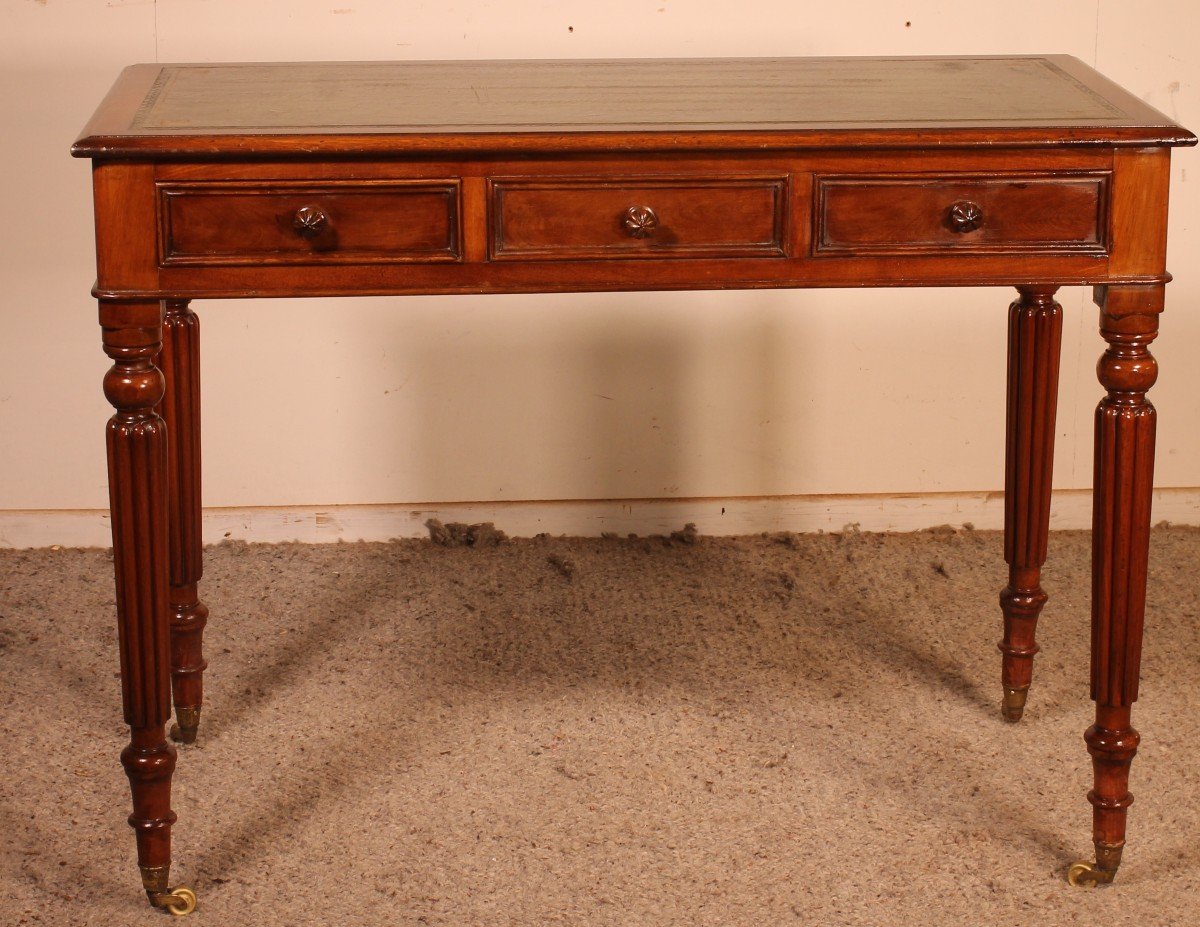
(750, 731)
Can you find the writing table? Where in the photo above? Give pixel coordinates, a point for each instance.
(320, 179)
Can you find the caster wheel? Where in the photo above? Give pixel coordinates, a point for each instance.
(1089, 875)
(179, 901)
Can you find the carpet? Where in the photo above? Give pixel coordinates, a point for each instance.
(602, 731)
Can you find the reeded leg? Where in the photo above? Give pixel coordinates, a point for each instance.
(137, 478)
(180, 409)
(1034, 341)
(1124, 476)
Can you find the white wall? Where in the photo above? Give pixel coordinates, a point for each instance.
(442, 399)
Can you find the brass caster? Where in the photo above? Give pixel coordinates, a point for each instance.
(188, 723)
(1014, 704)
(179, 901)
(1088, 874)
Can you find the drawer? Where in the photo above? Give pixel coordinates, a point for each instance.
(622, 217)
(980, 213)
(331, 222)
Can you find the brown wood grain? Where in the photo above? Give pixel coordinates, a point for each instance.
(857, 160)
(1123, 481)
(255, 226)
(126, 233)
(137, 482)
(180, 410)
(1034, 348)
(649, 273)
(1019, 212)
(250, 222)
(510, 177)
(1140, 189)
(585, 217)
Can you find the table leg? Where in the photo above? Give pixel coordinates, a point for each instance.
(137, 479)
(1034, 342)
(180, 409)
(1124, 476)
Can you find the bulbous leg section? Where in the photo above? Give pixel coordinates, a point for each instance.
(178, 901)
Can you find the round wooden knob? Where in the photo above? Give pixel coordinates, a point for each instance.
(965, 216)
(310, 221)
(640, 221)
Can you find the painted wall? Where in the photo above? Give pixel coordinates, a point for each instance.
(558, 397)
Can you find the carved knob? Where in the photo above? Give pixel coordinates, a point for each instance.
(310, 221)
(640, 221)
(964, 216)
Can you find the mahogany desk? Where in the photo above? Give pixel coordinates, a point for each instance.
(499, 177)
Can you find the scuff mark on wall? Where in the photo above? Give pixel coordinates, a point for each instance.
(325, 520)
(1172, 94)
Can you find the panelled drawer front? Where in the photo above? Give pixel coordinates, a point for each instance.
(331, 222)
(599, 218)
(968, 213)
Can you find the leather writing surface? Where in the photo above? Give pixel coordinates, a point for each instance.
(758, 93)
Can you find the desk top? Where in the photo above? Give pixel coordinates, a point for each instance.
(753, 103)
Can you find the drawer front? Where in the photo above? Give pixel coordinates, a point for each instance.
(599, 218)
(985, 214)
(352, 222)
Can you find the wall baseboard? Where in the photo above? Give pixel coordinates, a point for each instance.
(805, 514)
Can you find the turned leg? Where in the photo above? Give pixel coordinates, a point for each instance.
(1034, 340)
(1124, 475)
(180, 409)
(137, 480)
